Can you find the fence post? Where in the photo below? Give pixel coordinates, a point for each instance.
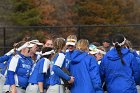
(4, 40)
(79, 32)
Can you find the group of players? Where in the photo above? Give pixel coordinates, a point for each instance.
(28, 69)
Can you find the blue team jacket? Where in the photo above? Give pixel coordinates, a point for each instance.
(40, 72)
(86, 72)
(56, 72)
(120, 78)
(19, 70)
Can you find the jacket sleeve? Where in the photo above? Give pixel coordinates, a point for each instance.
(4, 58)
(58, 65)
(12, 69)
(10, 52)
(95, 75)
(57, 70)
(136, 69)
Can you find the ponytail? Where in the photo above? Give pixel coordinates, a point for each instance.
(15, 48)
(17, 45)
(118, 48)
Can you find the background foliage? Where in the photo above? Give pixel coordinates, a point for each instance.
(72, 12)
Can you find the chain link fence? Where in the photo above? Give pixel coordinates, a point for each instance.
(94, 33)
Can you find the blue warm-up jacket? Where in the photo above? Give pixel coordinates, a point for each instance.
(120, 78)
(85, 69)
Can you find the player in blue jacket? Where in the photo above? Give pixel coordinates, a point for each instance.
(3, 64)
(3, 69)
(4, 59)
(85, 69)
(119, 68)
(37, 80)
(33, 50)
(70, 43)
(55, 81)
(19, 69)
(136, 54)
